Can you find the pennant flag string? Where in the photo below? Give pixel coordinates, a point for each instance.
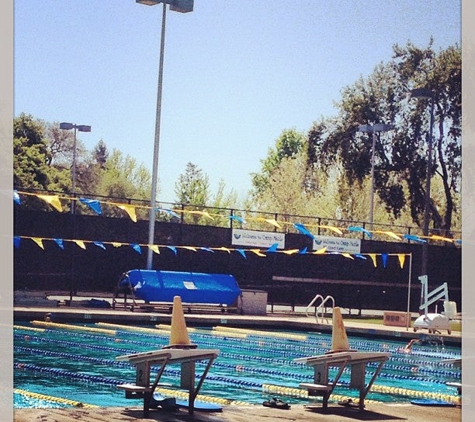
(95, 205)
(273, 248)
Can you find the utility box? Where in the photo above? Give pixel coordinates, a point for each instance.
(253, 302)
(396, 319)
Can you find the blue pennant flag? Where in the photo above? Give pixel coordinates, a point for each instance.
(384, 257)
(303, 251)
(241, 251)
(60, 243)
(16, 197)
(360, 229)
(273, 248)
(94, 204)
(302, 229)
(414, 238)
(237, 218)
(16, 241)
(136, 248)
(173, 248)
(100, 244)
(168, 211)
(358, 255)
(207, 249)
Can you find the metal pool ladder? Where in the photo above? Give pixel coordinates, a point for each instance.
(321, 308)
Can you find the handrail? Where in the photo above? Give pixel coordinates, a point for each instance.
(320, 309)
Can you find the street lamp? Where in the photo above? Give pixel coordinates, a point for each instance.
(426, 93)
(378, 127)
(182, 6)
(81, 128)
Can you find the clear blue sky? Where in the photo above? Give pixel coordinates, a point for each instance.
(237, 73)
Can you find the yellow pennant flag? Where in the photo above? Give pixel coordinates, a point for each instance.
(222, 248)
(257, 252)
(38, 241)
(291, 251)
(273, 222)
(129, 209)
(373, 258)
(206, 214)
(116, 244)
(333, 229)
(190, 248)
(154, 248)
(391, 234)
(321, 251)
(347, 255)
(445, 239)
(52, 200)
(80, 243)
(401, 257)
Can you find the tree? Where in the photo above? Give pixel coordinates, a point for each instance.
(192, 189)
(288, 145)
(32, 158)
(122, 177)
(91, 169)
(401, 156)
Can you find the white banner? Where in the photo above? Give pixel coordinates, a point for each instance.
(337, 244)
(258, 239)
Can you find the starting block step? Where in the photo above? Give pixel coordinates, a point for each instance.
(315, 389)
(133, 391)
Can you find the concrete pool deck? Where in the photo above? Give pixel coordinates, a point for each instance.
(251, 413)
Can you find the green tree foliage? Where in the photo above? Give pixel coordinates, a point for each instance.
(288, 145)
(400, 156)
(193, 192)
(192, 189)
(122, 177)
(32, 158)
(192, 186)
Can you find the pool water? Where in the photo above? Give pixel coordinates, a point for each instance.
(80, 366)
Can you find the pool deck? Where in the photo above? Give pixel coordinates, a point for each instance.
(279, 319)
(254, 413)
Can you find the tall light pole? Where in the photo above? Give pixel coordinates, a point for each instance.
(378, 127)
(426, 93)
(182, 6)
(81, 128)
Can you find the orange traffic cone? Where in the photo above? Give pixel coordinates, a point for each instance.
(179, 338)
(339, 338)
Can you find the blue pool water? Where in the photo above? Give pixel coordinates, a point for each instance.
(81, 366)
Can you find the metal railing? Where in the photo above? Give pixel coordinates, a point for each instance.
(238, 218)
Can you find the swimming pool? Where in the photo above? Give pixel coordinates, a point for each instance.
(63, 365)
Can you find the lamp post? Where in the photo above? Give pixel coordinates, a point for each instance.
(182, 6)
(81, 128)
(426, 93)
(378, 127)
